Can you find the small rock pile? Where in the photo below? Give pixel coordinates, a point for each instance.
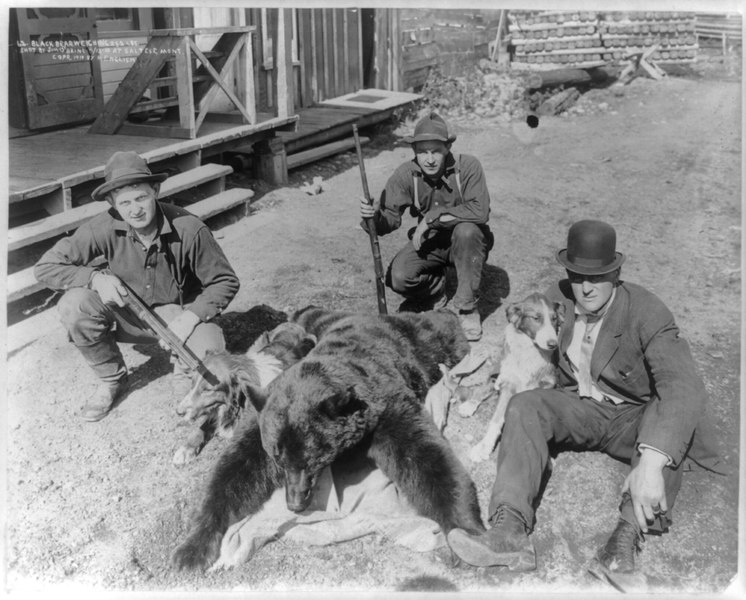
(490, 92)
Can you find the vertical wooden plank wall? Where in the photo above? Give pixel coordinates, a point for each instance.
(331, 56)
(307, 77)
(388, 50)
(354, 55)
(282, 72)
(381, 44)
(263, 103)
(395, 50)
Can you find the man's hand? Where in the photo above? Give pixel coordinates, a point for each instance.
(419, 234)
(182, 327)
(645, 485)
(367, 211)
(109, 288)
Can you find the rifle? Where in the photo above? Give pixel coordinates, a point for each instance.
(159, 328)
(371, 226)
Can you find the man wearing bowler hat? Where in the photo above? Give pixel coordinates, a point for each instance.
(627, 386)
(448, 195)
(166, 255)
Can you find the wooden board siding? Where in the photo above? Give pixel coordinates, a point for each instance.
(114, 71)
(329, 56)
(61, 69)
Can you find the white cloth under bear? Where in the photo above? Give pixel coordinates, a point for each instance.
(342, 509)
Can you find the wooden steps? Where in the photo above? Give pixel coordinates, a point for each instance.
(301, 158)
(210, 175)
(189, 90)
(208, 178)
(209, 207)
(23, 283)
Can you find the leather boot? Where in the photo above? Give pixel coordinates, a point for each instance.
(106, 360)
(102, 401)
(615, 561)
(505, 544)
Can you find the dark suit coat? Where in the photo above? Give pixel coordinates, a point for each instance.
(641, 357)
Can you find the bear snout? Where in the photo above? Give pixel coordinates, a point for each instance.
(298, 489)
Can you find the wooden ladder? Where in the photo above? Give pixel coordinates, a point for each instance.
(189, 90)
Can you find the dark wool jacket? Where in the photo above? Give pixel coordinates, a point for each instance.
(641, 357)
(185, 266)
(470, 204)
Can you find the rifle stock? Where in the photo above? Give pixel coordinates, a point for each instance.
(160, 328)
(370, 225)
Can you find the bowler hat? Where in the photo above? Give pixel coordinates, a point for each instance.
(431, 127)
(125, 168)
(591, 249)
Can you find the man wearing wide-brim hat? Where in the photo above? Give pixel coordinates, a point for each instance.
(166, 255)
(448, 195)
(627, 386)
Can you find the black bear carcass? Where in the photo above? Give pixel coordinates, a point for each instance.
(362, 389)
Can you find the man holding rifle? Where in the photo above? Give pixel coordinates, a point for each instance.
(165, 255)
(448, 195)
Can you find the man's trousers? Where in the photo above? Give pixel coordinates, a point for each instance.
(420, 276)
(539, 418)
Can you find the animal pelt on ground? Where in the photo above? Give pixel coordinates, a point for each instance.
(361, 389)
(528, 361)
(218, 408)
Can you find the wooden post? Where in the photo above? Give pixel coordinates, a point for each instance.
(272, 163)
(395, 51)
(246, 68)
(282, 74)
(185, 89)
(498, 37)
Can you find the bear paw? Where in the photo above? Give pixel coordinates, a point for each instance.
(468, 407)
(480, 452)
(196, 553)
(184, 454)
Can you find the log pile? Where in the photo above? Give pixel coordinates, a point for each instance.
(623, 33)
(582, 39)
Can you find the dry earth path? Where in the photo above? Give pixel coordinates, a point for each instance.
(100, 507)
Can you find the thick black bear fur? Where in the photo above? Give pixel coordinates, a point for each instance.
(362, 388)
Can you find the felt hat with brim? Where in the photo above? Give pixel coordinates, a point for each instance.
(125, 168)
(429, 128)
(591, 249)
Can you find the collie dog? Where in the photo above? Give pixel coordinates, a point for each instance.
(217, 408)
(527, 362)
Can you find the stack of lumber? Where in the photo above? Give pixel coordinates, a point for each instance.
(624, 33)
(555, 39)
(582, 39)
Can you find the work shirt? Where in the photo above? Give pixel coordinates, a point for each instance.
(574, 351)
(470, 204)
(185, 265)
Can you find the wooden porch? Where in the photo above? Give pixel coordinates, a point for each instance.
(52, 174)
(55, 171)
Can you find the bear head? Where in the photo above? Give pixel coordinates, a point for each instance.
(311, 417)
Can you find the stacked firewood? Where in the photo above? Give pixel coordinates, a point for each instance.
(560, 39)
(673, 33)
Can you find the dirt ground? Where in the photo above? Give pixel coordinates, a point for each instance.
(99, 507)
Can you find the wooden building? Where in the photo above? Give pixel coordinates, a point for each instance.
(88, 51)
(184, 87)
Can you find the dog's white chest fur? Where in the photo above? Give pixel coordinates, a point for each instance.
(267, 367)
(524, 364)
